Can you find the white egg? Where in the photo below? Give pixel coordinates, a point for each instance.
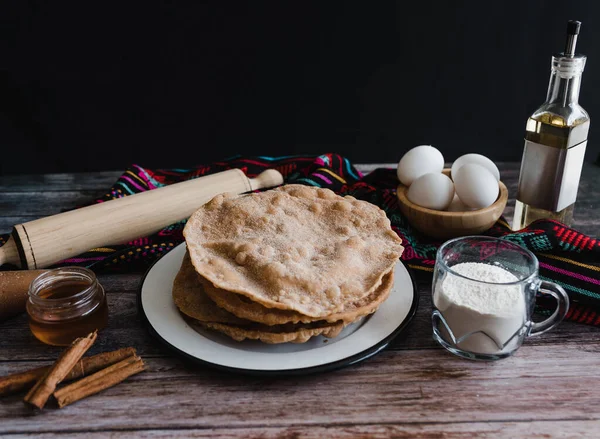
(419, 161)
(475, 158)
(458, 206)
(433, 190)
(476, 186)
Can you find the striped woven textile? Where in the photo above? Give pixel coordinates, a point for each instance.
(566, 256)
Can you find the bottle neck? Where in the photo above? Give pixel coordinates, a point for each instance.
(563, 91)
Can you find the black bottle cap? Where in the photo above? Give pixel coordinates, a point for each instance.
(572, 32)
(573, 27)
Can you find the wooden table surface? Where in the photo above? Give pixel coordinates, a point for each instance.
(413, 388)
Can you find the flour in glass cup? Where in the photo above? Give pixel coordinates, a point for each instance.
(490, 306)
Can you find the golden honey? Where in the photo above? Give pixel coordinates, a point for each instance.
(64, 304)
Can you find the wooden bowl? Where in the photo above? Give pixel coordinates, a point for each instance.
(446, 225)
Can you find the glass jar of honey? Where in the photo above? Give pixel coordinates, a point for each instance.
(66, 303)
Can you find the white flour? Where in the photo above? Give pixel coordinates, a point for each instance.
(469, 306)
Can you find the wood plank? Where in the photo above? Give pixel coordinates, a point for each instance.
(535, 429)
(77, 189)
(125, 328)
(38, 204)
(7, 222)
(419, 334)
(396, 387)
(97, 181)
(103, 180)
(84, 181)
(100, 181)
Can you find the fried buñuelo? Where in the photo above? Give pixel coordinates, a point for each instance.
(285, 265)
(294, 248)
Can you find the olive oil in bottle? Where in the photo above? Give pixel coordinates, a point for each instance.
(555, 141)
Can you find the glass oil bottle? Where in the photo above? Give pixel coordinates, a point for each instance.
(555, 142)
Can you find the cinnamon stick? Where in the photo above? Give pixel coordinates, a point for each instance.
(99, 381)
(46, 385)
(23, 380)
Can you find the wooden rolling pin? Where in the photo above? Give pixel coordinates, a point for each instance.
(45, 241)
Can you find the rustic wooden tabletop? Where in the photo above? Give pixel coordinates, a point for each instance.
(413, 388)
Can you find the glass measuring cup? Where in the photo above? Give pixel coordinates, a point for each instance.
(483, 310)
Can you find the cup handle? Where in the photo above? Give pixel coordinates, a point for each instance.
(561, 297)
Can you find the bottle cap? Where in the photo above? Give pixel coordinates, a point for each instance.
(573, 28)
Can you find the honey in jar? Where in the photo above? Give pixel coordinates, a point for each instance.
(66, 303)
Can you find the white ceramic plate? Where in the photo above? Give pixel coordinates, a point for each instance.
(357, 342)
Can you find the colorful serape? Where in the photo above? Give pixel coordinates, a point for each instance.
(566, 256)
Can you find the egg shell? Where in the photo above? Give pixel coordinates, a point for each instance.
(419, 161)
(458, 206)
(433, 191)
(476, 186)
(478, 159)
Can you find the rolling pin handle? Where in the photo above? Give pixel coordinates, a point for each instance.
(9, 253)
(14, 288)
(267, 179)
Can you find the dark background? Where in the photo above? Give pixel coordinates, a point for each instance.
(91, 86)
